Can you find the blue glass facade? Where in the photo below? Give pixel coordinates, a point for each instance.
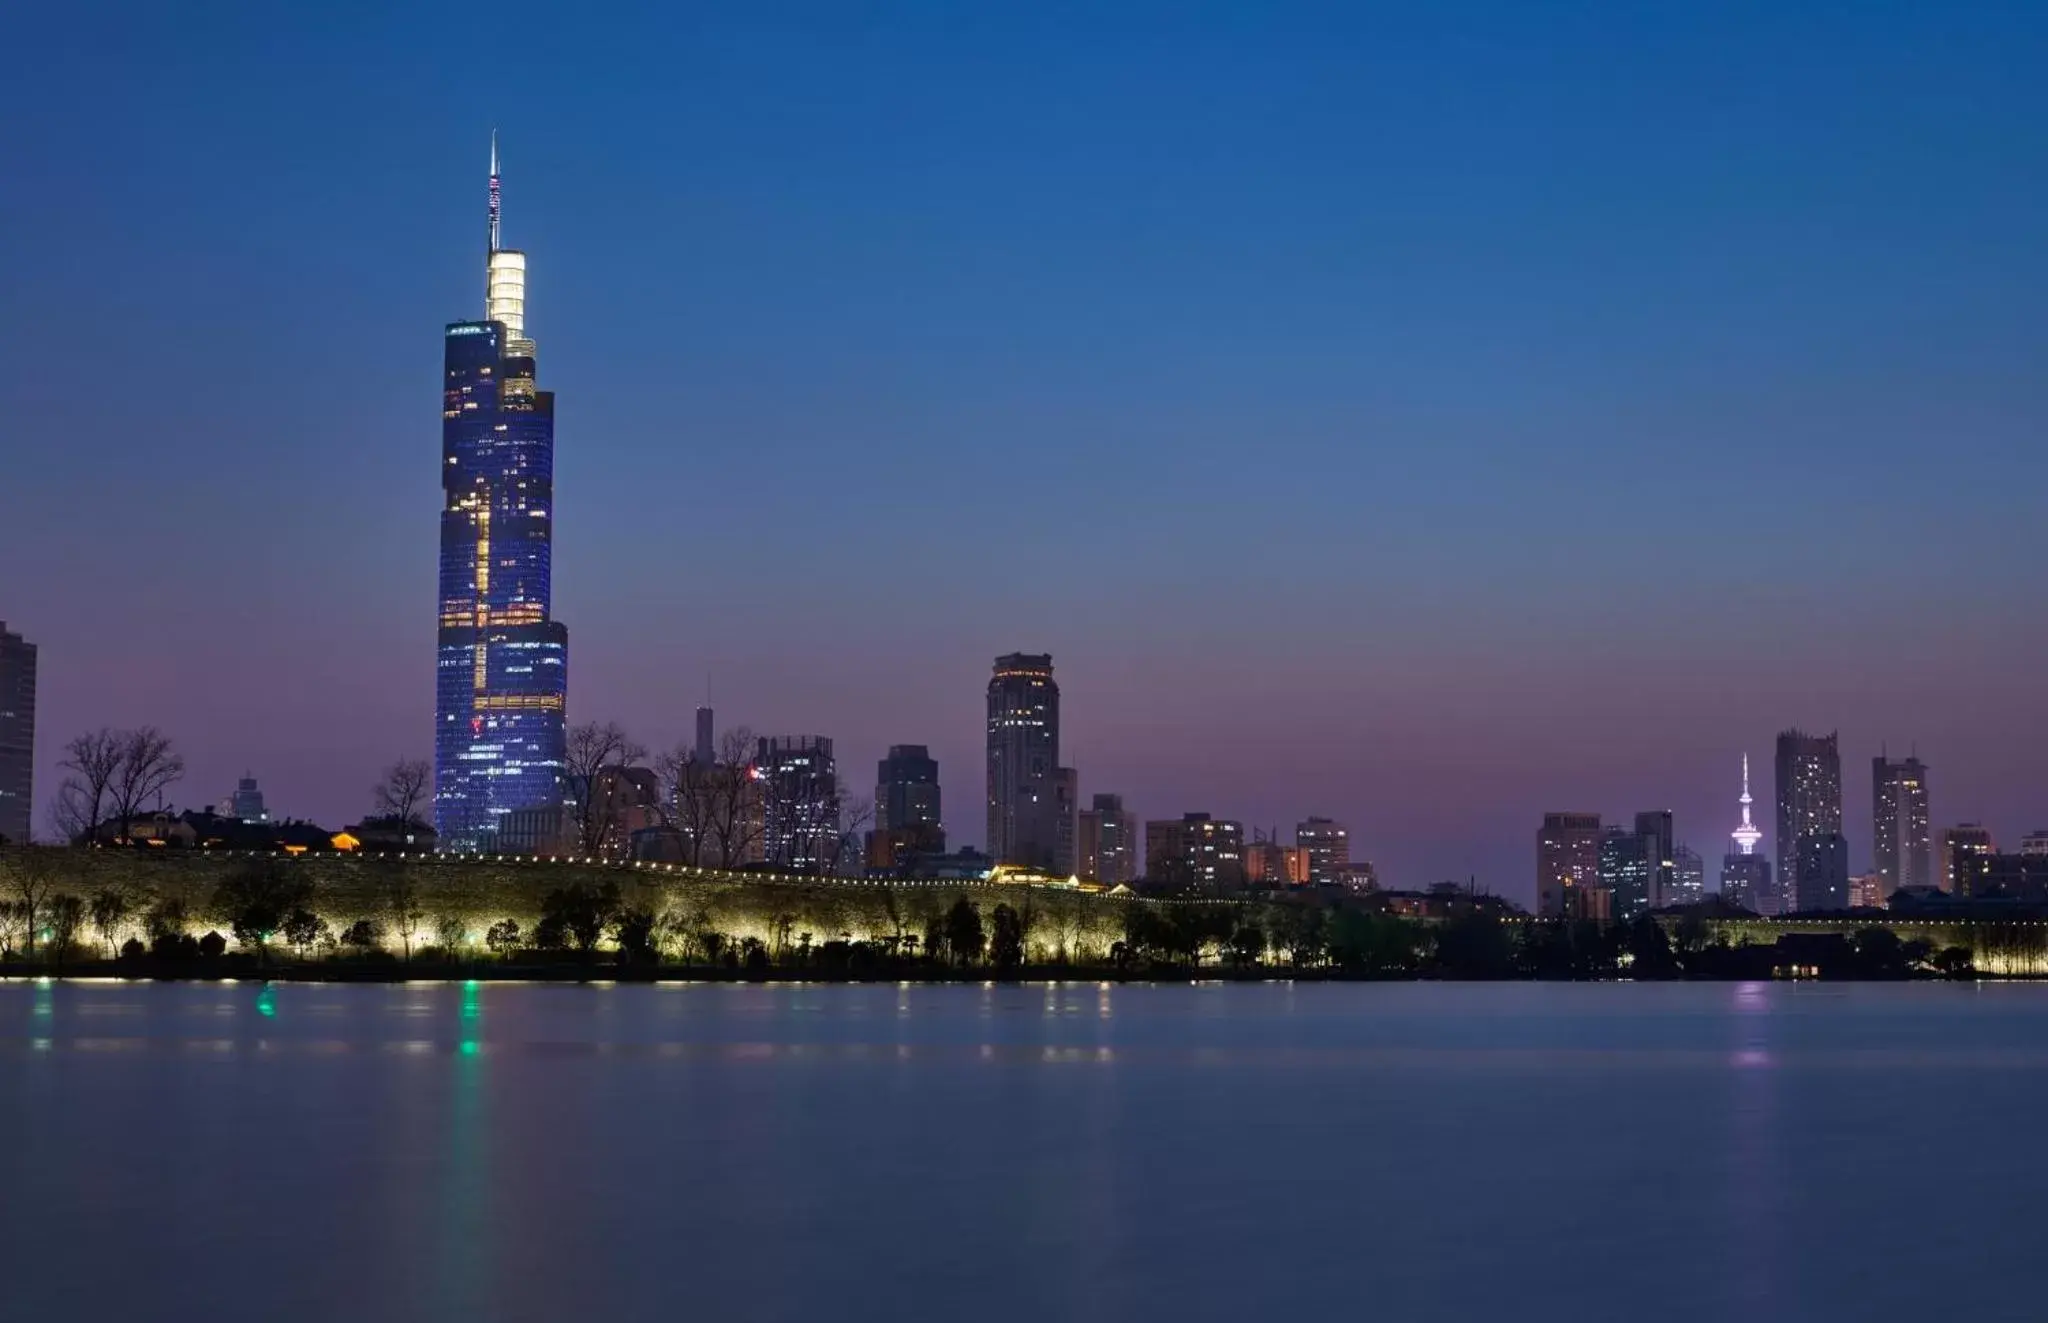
(502, 669)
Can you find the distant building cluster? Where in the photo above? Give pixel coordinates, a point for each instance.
(1587, 870)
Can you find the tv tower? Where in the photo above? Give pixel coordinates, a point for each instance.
(1747, 835)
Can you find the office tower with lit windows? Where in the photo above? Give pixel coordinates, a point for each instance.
(1902, 839)
(1809, 792)
(1688, 878)
(801, 806)
(1823, 872)
(907, 814)
(501, 666)
(1965, 852)
(1628, 870)
(1655, 826)
(1195, 852)
(1329, 850)
(17, 735)
(1024, 762)
(1567, 862)
(1108, 846)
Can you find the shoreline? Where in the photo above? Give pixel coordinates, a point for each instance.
(231, 970)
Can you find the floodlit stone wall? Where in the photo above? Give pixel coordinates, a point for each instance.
(454, 894)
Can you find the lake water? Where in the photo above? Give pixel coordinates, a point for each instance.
(766, 1152)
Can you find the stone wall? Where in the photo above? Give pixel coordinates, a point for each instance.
(1999, 946)
(472, 894)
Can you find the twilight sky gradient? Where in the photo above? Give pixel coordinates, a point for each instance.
(1422, 415)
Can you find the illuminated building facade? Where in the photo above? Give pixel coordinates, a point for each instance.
(1108, 842)
(1271, 866)
(1628, 869)
(1195, 852)
(1809, 804)
(1688, 877)
(1903, 840)
(1567, 861)
(1328, 847)
(502, 663)
(1964, 850)
(17, 735)
(1024, 762)
(1655, 827)
(1746, 882)
(800, 802)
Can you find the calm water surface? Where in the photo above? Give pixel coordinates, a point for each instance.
(1408, 1152)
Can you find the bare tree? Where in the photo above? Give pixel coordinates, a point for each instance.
(83, 800)
(849, 850)
(592, 749)
(717, 808)
(30, 876)
(403, 790)
(401, 903)
(148, 767)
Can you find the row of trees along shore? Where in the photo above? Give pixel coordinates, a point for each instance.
(714, 810)
(269, 913)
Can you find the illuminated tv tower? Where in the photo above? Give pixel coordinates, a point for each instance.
(1747, 835)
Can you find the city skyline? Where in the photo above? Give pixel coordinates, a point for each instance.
(728, 323)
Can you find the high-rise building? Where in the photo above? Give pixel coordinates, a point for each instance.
(1024, 762)
(623, 800)
(1688, 878)
(1195, 852)
(1066, 792)
(1823, 864)
(17, 735)
(1903, 841)
(1964, 851)
(1809, 788)
(1108, 844)
(1567, 860)
(1628, 869)
(1271, 866)
(1654, 825)
(246, 804)
(1745, 874)
(502, 662)
(1867, 891)
(702, 751)
(801, 817)
(907, 816)
(2034, 843)
(1329, 849)
(1746, 883)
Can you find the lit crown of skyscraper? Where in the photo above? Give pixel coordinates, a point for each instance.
(504, 276)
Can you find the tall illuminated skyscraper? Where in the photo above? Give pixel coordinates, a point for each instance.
(17, 734)
(501, 678)
(1024, 799)
(1809, 804)
(1903, 837)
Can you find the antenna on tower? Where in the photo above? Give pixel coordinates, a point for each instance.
(494, 191)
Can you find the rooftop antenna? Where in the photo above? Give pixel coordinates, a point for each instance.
(494, 191)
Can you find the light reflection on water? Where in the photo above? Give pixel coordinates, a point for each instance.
(1103, 1152)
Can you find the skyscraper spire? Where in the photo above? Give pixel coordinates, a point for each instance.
(1748, 834)
(494, 192)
